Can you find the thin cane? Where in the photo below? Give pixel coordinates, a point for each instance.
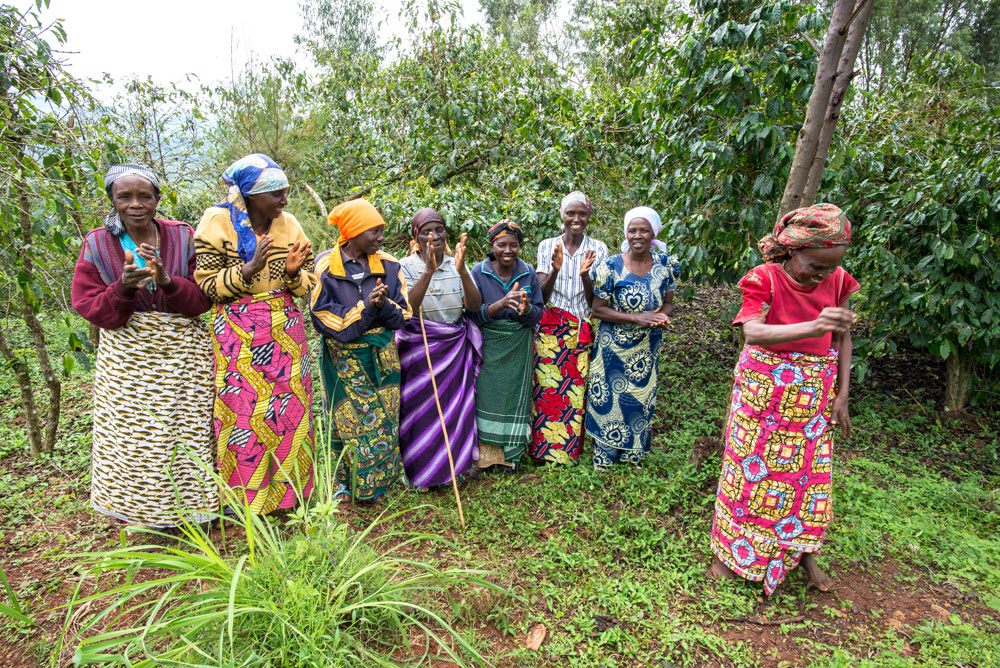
(444, 429)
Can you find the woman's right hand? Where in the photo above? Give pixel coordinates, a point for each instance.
(651, 319)
(834, 319)
(515, 300)
(259, 259)
(133, 277)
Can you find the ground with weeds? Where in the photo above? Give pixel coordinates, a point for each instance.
(612, 570)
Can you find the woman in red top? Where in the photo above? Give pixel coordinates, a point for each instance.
(774, 495)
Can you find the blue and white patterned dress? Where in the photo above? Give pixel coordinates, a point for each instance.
(625, 361)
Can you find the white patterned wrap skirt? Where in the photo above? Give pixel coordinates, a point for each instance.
(153, 438)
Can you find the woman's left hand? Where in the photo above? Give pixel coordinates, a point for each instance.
(841, 416)
(460, 253)
(153, 261)
(587, 262)
(297, 256)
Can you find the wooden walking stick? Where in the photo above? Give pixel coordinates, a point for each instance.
(444, 429)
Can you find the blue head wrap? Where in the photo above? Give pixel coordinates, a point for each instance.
(250, 175)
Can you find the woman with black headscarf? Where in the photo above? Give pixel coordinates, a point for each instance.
(512, 305)
(441, 289)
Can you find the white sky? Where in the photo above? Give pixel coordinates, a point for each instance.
(169, 39)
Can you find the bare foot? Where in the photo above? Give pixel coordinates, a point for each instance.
(720, 571)
(819, 579)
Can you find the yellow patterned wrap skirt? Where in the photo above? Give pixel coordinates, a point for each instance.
(153, 446)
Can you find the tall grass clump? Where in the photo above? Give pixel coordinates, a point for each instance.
(313, 592)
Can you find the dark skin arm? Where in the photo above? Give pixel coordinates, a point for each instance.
(416, 292)
(658, 318)
(837, 320)
(845, 349)
(471, 297)
(548, 281)
(516, 300)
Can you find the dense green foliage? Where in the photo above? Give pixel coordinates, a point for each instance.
(693, 110)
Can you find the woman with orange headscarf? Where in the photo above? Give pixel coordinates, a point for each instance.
(358, 302)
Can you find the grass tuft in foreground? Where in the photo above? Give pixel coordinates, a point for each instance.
(310, 593)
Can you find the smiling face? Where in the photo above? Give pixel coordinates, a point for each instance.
(505, 248)
(576, 217)
(811, 266)
(135, 200)
(639, 235)
(367, 243)
(268, 205)
(435, 234)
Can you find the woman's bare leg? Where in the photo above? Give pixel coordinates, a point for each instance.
(820, 580)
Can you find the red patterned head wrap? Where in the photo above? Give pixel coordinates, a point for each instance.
(816, 226)
(508, 227)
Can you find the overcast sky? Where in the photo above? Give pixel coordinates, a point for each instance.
(169, 39)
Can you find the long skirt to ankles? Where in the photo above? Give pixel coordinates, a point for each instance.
(361, 400)
(503, 392)
(621, 394)
(562, 357)
(264, 397)
(456, 352)
(153, 444)
(774, 495)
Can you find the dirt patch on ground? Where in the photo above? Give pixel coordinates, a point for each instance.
(863, 605)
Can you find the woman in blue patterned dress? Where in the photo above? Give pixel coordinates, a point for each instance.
(633, 299)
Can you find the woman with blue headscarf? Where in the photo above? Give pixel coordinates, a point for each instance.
(252, 261)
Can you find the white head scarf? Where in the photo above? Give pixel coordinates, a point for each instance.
(575, 196)
(654, 222)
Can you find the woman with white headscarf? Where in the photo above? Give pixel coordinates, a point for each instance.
(253, 261)
(562, 343)
(152, 442)
(633, 299)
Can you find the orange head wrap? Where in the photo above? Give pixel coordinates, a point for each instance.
(354, 217)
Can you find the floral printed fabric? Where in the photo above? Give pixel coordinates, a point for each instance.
(625, 362)
(774, 496)
(361, 393)
(562, 356)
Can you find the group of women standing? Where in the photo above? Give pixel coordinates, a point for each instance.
(430, 370)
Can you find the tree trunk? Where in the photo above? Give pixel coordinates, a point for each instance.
(51, 377)
(958, 373)
(819, 100)
(316, 198)
(844, 76)
(72, 183)
(20, 369)
(31, 319)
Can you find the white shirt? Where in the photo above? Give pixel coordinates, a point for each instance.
(567, 293)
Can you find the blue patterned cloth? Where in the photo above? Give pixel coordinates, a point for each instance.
(624, 364)
(250, 175)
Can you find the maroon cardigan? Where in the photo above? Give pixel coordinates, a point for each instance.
(100, 297)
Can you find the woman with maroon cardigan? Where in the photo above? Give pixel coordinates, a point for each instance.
(153, 386)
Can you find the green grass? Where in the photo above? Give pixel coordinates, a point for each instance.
(615, 566)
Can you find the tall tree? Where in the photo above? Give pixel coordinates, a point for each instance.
(41, 162)
(836, 66)
(902, 34)
(518, 22)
